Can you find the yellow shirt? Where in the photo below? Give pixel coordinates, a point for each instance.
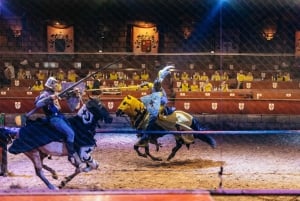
(196, 77)
(113, 76)
(203, 77)
(72, 77)
(185, 76)
(37, 87)
(60, 75)
(135, 77)
(184, 87)
(215, 77)
(144, 76)
(208, 87)
(194, 87)
(240, 77)
(41, 76)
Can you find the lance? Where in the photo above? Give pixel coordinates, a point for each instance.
(21, 119)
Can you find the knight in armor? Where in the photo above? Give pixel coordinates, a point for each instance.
(48, 101)
(156, 102)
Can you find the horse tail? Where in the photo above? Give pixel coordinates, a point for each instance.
(196, 125)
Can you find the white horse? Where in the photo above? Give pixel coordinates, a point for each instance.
(38, 139)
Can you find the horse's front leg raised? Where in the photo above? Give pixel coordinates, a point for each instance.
(53, 172)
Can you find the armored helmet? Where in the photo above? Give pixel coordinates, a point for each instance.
(51, 83)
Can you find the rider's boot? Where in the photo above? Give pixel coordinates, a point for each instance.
(145, 136)
(72, 155)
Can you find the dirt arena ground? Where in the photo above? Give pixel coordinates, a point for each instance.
(249, 162)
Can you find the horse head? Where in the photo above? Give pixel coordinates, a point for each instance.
(130, 106)
(98, 110)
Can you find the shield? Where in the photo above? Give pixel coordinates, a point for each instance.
(152, 102)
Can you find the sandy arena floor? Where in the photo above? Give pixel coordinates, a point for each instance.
(250, 162)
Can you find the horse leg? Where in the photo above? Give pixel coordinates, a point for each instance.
(49, 169)
(53, 172)
(136, 148)
(147, 151)
(35, 157)
(67, 179)
(4, 171)
(175, 149)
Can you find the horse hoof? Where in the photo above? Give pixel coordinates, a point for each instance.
(143, 155)
(157, 159)
(52, 187)
(55, 176)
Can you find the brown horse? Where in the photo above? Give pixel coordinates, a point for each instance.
(177, 121)
(37, 140)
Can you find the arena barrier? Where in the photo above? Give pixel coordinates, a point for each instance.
(135, 195)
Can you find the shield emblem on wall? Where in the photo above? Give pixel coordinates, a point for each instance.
(214, 106)
(271, 106)
(241, 106)
(17, 83)
(274, 85)
(110, 105)
(248, 85)
(17, 105)
(186, 106)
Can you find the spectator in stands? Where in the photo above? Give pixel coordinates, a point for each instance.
(204, 77)
(279, 77)
(96, 86)
(60, 75)
(11, 71)
(194, 86)
(40, 75)
(176, 76)
(28, 74)
(240, 77)
(196, 76)
(185, 76)
(72, 76)
(113, 75)
(37, 86)
(216, 76)
(145, 75)
(224, 76)
(122, 85)
(99, 75)
(136, 76)
(207, 86)
(21, 75)
(224, 86)
(286, 77)
(184, 86)
(249, 77)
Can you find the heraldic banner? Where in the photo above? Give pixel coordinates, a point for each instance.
(145, 40)
(60, 39)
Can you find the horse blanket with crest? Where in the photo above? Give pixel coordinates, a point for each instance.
(39, 132)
